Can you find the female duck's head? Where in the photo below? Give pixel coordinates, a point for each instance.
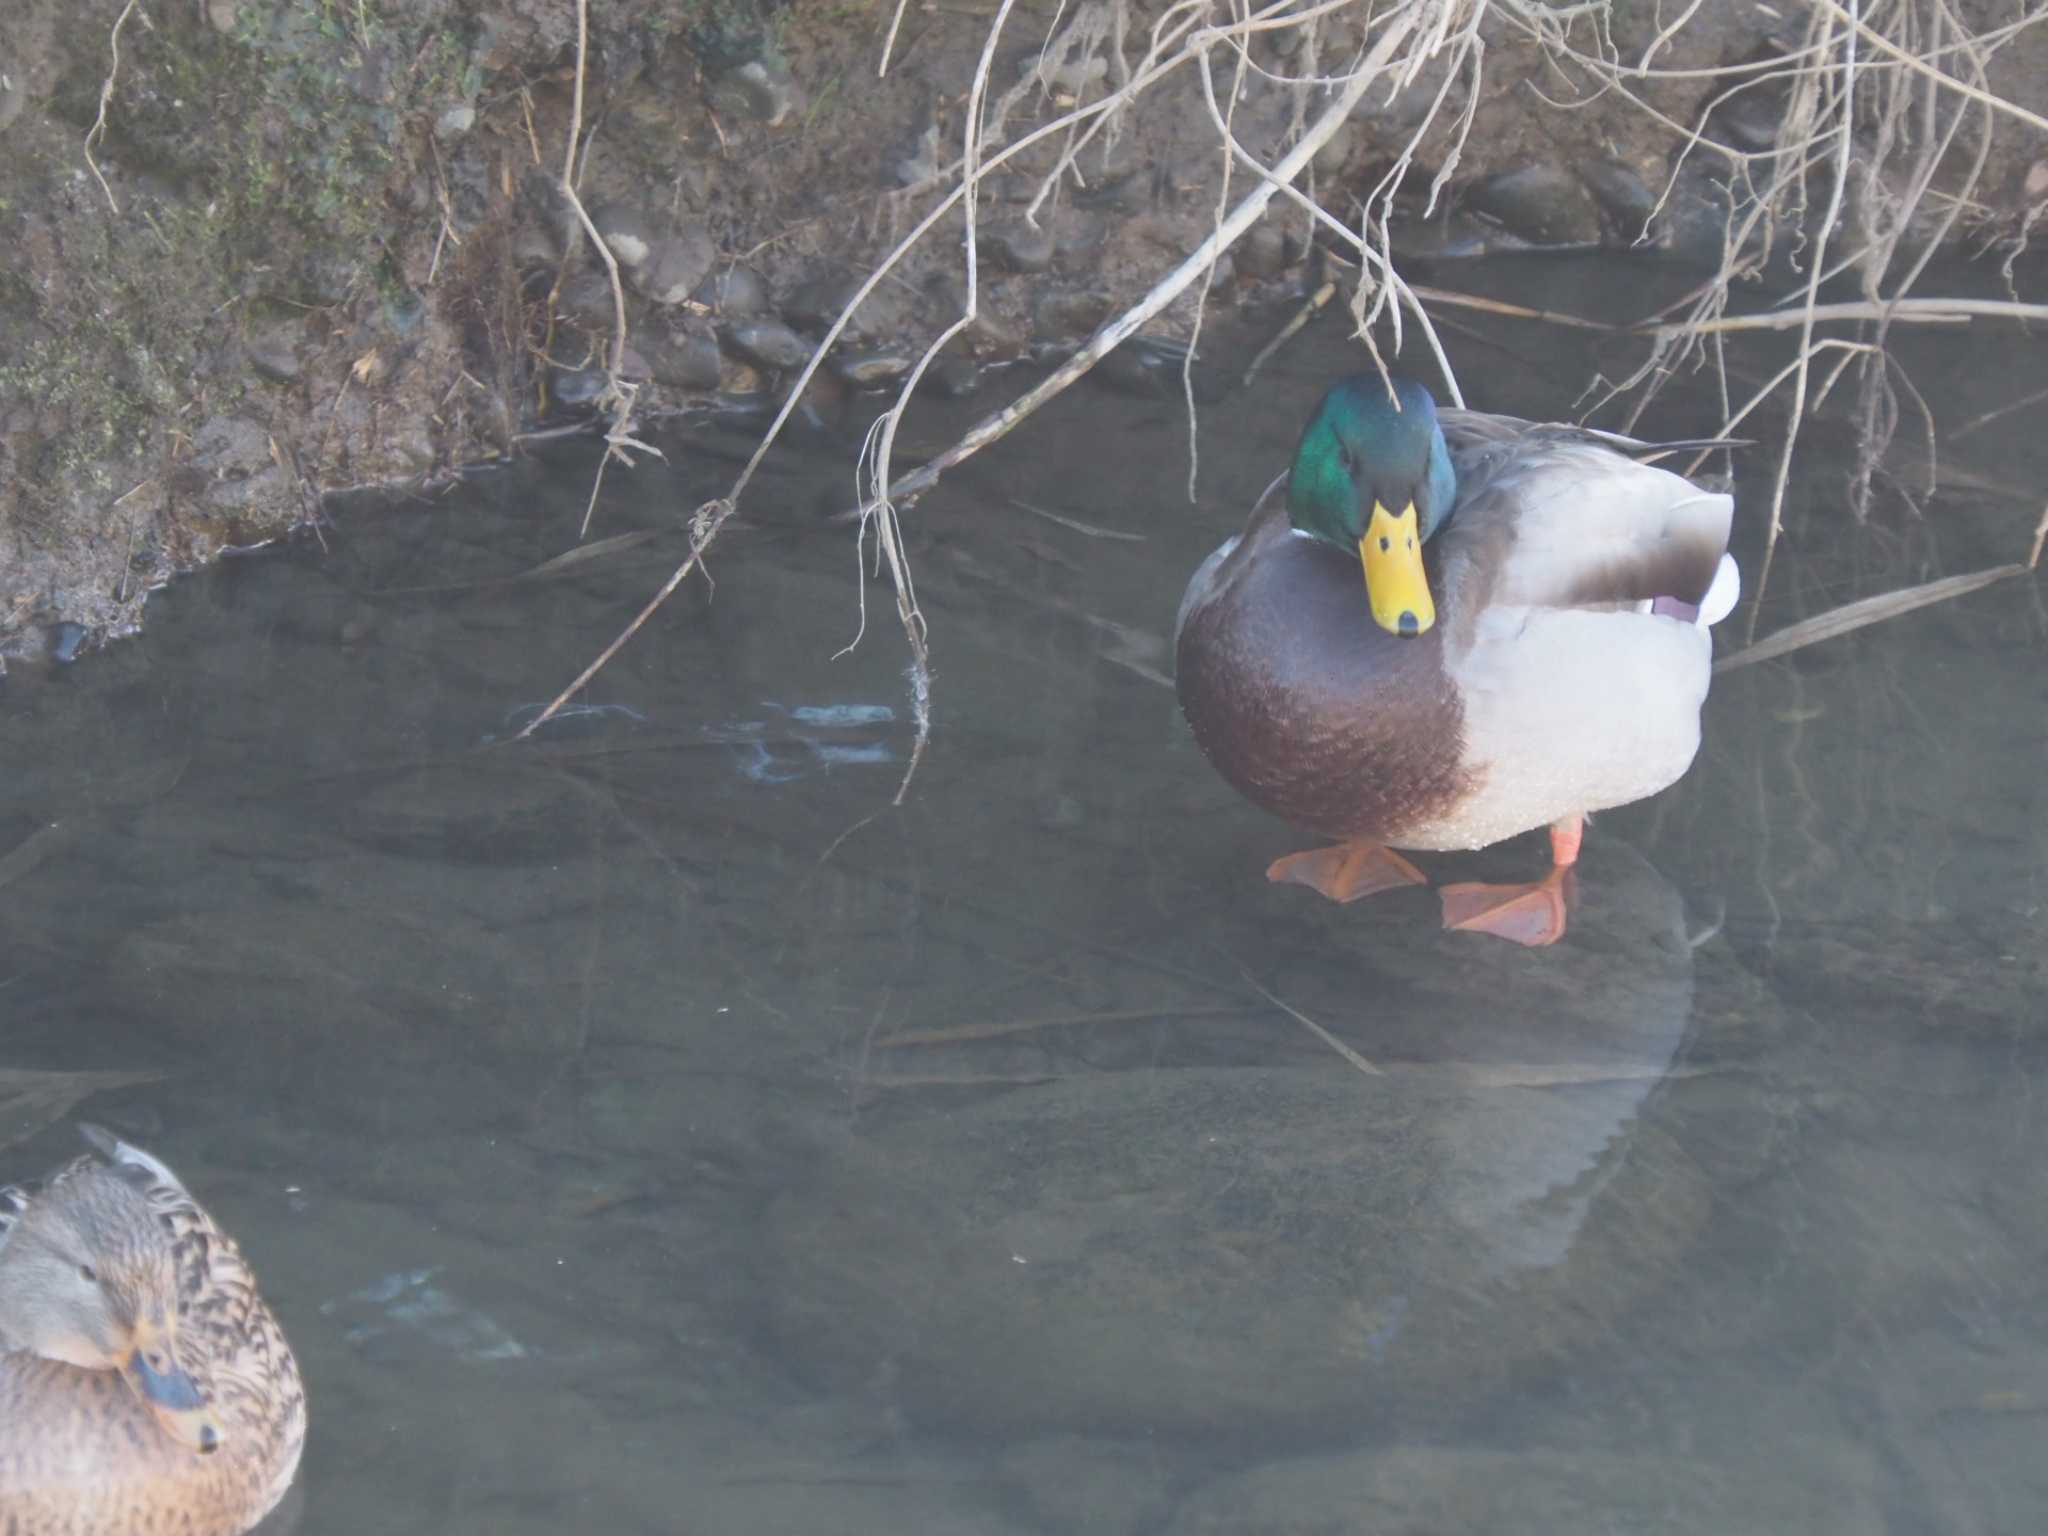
(1372, 475)
(88, 1277)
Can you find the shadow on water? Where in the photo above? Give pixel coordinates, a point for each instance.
(647, 1128)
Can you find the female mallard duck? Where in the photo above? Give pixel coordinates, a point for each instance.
(144, 1385)
(1531, 644)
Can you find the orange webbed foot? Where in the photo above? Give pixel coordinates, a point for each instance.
(1346, 871)
(1531, 913)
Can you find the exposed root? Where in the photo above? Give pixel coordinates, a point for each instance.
(98, 130)
(618, 396)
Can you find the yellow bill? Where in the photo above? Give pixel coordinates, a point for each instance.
(1395, 584)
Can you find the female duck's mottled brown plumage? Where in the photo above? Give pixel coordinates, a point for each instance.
(144, 1385)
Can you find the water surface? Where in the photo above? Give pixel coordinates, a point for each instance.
(650, 1128)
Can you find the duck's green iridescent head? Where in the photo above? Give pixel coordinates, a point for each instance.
(1372, 475)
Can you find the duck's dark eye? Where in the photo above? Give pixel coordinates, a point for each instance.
(88, 1274)
(1344, 457)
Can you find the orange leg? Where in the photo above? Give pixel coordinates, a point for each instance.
(1346, 871)
(1532, 914)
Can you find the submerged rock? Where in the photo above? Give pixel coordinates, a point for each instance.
(1544, 204)
(675, 266)
(1064, 314)
(873, 367)
(627, 234)
(1019, 247)
(1213, 1251)
(1622, 195)
(688, 359)
(817, 304)
(769, 343)
(953, 378)
(586, 298)
(1304, 1250)
(760, 88)
(732, 292)
(576, 386)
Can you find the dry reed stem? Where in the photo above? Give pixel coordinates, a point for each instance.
(1876, 610)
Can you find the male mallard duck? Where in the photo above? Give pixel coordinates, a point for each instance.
(144, 1385)
(1531, 644)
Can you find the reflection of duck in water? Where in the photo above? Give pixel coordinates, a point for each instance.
(1531, 1085)
(1532, 645)
(144, 1384)
(1555, 1083)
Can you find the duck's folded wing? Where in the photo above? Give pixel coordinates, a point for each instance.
(1567, 522)
(1268, 519)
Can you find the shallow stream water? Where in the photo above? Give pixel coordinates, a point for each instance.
(648, 1128)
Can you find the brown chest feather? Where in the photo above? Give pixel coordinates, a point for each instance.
(1310, 709)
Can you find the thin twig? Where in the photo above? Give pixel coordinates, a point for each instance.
(1312, 1026)
(618, 394)
(1911, 311)
(705, 524)
(1092, 530)
(961, 1034)
(1312, 306)
(1513, 311)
